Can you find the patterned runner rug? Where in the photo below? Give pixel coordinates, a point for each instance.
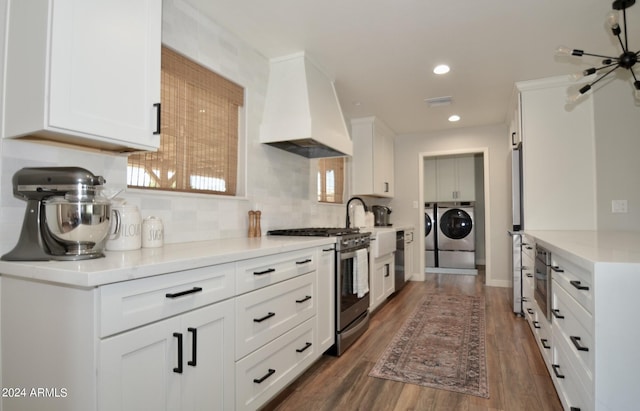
(441, 345)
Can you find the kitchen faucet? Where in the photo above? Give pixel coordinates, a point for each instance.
(349, 203)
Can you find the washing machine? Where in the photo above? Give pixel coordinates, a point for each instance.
(430, 234)
(456, 235)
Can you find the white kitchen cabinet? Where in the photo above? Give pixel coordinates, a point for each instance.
(559, 175)
(430, 180)
(382, 283)
(372, 157)
(327, 295)
(408, 254)
(85, 72)
(456, 178)
(179, 363)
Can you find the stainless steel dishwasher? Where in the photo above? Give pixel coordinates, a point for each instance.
(399, 261)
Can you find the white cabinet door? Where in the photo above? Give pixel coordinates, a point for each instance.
(136, 369)
(209, 368)
(326, 298)
(408, 255)
(465, 169)
(430, 181)
(447, 178)
(455, 178)
(155, 367)
(372, 157)
(389, 278)
(376, 284)
(87, 72)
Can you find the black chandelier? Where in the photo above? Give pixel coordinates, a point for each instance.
(626, 60)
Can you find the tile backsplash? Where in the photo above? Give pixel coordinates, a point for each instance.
(282, 185)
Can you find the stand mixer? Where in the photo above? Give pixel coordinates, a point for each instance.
(66, 218)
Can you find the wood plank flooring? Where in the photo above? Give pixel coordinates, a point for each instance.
(518, 379)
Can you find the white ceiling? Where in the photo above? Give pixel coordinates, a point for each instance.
(381, 52)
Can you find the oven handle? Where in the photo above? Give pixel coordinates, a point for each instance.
(349, 254)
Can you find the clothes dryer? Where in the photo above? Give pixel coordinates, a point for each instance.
(430, 228)
(456, 235)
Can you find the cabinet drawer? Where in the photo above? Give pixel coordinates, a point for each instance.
(263, 271)
(565, 377)
(265, 372)
(528, 253)
(265, 314)
(129, 304)
(573, 328)
(541, 332)
(577, 281)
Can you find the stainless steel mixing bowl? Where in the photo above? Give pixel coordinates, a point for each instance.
(81, 226)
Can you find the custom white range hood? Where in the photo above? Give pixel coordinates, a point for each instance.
(302, 113)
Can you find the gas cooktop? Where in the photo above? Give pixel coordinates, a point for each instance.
(316, 231)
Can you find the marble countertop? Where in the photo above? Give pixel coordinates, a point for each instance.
(587, 248)
(128, 265)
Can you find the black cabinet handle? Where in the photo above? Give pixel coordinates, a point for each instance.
(386, 187)
(328, 249)
(556, 313)
(307, 298)
(259, 320)
(557, 269)
(267, 271)
(178, 369)
(158, 111)
(545, 343)
(194, 345)
(576, 342)
(308, 260)
(513, 138)
(536, 324)
(524, 299)
(529, 275)
(267, 375)
(386, 270)
(307, 345)
(578, 285)
(574, 409)
(556, 367)
(181, 293)
(530, 311)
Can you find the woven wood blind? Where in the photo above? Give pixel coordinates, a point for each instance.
(199, 132)
(331, 180)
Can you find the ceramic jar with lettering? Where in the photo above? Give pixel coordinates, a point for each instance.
(152, 232)
(126, 227)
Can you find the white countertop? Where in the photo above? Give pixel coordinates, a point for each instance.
(128, 265)
(591, 247)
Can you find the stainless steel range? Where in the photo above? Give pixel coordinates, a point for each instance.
(352, 280)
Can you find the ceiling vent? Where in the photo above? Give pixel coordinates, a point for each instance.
(439, 101)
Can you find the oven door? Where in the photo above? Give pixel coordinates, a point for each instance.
(349, 305)
(542, 292)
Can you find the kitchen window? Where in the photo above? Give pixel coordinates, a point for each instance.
(331, 180)
(200, 116)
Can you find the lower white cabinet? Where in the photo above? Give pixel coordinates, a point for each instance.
(408, 254)
(382, 280)
(326, 279)
(181, 363)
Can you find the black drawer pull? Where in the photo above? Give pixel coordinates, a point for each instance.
(307, 345)
(267, 271)
(158, 112)
(577, 344)
(267, 375)
(557, 269)
(556, 313)
(259, 320)
(181, 293)
(545, 343)
(307, 298)
(556, 367)
(536, 324)
(328, 249)
(524, 299)
(577, 284)
(194, 345)
(530, 311)
(178, 369)
(529, 275)
(574, 409)
(308, 260)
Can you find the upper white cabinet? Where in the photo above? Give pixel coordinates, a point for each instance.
(454, 178)
(85, 72)
(372, 157)
(558, 148)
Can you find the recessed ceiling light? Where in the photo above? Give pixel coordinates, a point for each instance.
(441, 69)
(454, 118)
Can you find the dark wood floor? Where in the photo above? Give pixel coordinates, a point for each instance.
(518, 379)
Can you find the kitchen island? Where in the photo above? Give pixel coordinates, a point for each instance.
(206, 325)
(590, 348)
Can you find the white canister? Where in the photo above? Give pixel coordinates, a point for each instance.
(152, 232)
(127, 227)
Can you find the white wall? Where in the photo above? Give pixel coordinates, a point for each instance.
(493, 139)
(281, 184)
(617, 131)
